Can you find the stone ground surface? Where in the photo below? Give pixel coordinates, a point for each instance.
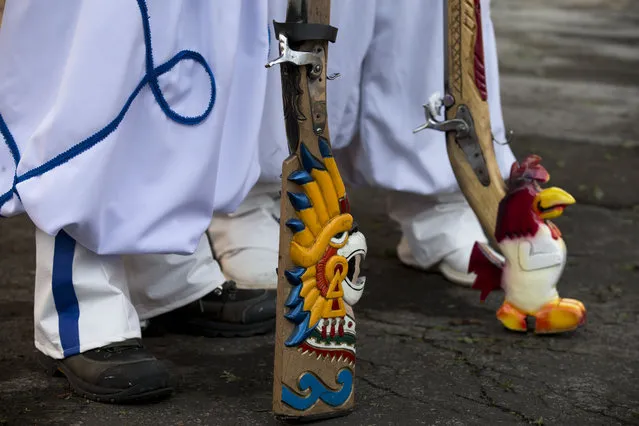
(429, 352)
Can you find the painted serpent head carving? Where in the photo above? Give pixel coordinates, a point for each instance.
(327, 250)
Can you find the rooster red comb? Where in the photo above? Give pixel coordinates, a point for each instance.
(516, 217)
(529, 170)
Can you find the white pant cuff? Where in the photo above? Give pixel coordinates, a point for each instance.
(57, 353)
(144, 314)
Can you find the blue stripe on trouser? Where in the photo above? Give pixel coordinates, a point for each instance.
(66, 302)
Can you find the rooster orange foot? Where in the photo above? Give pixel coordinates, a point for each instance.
(512, 318)
(559, 316)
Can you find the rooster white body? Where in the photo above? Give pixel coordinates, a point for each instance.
(532, 269)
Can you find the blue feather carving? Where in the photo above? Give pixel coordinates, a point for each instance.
(300, 177)
(324, 147)
(294, 276)
(298, 314)
(300, 332)
(294, 297)
(309, 161)
(295, 225)
(299, 201)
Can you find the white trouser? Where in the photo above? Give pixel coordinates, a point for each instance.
(390, 55)
(84, 301)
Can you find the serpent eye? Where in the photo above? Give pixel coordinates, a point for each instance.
(339, 238)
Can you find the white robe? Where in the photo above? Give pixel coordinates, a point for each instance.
(151, 185)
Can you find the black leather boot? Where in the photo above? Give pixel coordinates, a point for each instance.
(227, 311)
(119, 373)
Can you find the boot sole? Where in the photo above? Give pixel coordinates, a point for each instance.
(134, 395)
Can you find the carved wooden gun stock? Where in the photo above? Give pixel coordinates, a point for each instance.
(321, 248)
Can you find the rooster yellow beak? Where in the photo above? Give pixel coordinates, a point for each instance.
(551, 202)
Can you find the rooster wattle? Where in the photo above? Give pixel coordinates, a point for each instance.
(534, 255)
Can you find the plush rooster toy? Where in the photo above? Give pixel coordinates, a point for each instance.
(534, 255)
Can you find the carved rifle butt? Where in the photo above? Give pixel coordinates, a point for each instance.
(320, 250)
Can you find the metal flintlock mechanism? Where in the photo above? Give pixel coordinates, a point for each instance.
(321, 248)
(515, 215)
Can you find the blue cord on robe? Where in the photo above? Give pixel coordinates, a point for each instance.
(151, 78)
